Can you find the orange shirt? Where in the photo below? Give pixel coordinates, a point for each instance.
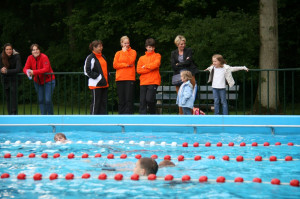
(104, 70)
(148, 68)
(121, 63)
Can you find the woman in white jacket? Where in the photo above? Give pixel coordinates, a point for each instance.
(219, 72)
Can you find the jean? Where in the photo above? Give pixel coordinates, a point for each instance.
(186, 111)
(219, 95)
(45, 92)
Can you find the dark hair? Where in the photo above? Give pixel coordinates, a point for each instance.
(149, 164)
(150, 42)
(94, 44)
(34, 45)
(4, 56)
(166, 163)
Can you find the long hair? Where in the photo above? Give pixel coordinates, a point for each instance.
(219, 58)
(4, 56)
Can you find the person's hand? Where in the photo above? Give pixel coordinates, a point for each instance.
(4, 70)
(30, 72)
(143, 66)
(130, 65)
(205, 69)
(124, 48)
(246, 69)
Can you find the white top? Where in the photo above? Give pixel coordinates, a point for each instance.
(219, 78)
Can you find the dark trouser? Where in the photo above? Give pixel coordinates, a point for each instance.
(99, 101)
(45, 93)
(125, 90)
(11, 98)
(148, 99)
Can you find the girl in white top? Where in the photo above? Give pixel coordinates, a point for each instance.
(219, 72)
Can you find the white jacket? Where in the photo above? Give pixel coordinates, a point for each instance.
(228, 73)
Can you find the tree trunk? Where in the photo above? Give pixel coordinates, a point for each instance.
(267, 98)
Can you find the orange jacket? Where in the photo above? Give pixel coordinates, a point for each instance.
(121, 63)
(148, 68)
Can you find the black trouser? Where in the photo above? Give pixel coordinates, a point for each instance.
(148, 98)
(11, 97)
(99, 101)
(125, 90)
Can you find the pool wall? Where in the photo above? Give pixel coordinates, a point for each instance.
(153, 123)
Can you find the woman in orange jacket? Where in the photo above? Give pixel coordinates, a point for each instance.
(124, 63)
(148, 68)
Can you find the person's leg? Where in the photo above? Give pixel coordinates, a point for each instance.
(224, 101)
(216, 96)
(40, 92)
(8, 104)
(103, 101)
(121, 96)
(129, 97)
(186, 111)
(49, 88)
(143, 102)
(151, 98)
(179, 108)
(13, 99)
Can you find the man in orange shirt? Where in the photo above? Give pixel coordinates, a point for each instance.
(148, 68)
(124, 63)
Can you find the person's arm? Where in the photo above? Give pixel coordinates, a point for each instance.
(88, 68)
(189, 59)
(140, 69)
(117, 64)
(187, 93)
(174, 61)
(28, 65)
(155, 63)
(237, 68)
(18, 66)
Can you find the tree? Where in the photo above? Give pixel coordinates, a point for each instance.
(267, 94)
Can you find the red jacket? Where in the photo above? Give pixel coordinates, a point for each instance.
(39, 66)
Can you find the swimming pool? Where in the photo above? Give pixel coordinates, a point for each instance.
(175, 137)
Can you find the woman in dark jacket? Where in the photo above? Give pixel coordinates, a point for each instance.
(182, 59)
(10, 66)
(95, 68)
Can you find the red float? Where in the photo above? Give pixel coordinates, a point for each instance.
(273, 158)
(288, 158)
(154, 156)
(239, 158)
(85, 155)
(44, 155)
(197, 157)
(185, 144)
(219, 144)
(230, 144)
(19, 155)
(167, 157)
(102, 176)
(86, 176)
(134, 177)
(258, 180)
(110, 156)
(254, 144)
(220, 179)
(203, 179)
(211, 157)
(258, 158)
(186, 178)
(152, 177)
(196, 144)
(277, 143)
(118, 177)
(71, 156)
(97, 155)
(53, 176)
(238, 179)
(37, 176)
(56, 155)
(290, 144)
(31, 155)
(138, 156)
(123, 156)
(266, 144)
(294, 183)
(275, 181)
(5, 175)
(21, 176)
(226, 157)
(7, 155)
(180, 158)
(70, 176)
(243, 144)
(169, 178)
(207, 144)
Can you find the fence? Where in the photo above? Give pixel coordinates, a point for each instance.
(72, 95)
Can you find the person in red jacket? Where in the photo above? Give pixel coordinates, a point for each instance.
(37, 65)
(148, 68)
(124, 63)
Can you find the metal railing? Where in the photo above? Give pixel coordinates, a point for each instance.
(72, 96)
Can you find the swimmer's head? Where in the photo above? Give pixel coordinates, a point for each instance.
(166, 163)
(60, 137)
(145, 166)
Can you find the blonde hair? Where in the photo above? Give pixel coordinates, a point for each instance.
(219, 58)
(187, 75)
(178, 39)
(123, 38)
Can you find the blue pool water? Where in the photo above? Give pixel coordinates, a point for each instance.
(285, 171)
